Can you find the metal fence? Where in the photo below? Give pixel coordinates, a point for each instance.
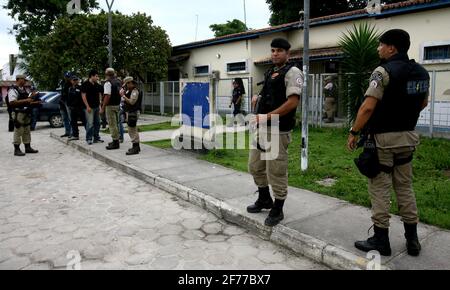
(162, 98)
(434, 121)
(224, 89)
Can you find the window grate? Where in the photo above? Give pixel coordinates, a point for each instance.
(437, 52)
(237, 66)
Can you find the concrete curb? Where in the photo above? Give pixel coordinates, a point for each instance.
(308, 246)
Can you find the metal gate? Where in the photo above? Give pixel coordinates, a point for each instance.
(162, 98)
(224, 89)
(434, 120)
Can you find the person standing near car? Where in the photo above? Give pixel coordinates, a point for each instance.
(75, 104)
(91, 96)
(21, 103)
(34, 111)
(132, 105)
(64, 109)
(111, 103)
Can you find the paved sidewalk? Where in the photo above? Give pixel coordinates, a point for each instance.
(317, 226)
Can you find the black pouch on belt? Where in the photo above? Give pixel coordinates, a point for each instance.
(368, 162)
(132, 120)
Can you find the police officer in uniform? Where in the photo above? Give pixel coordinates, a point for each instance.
(330, 93)
(280, 97)
(110, 105)
(397, 93)
(132, 105)
(21, 103)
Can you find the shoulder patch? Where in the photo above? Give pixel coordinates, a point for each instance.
(376, 76)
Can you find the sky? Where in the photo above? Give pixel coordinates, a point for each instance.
(177, 17)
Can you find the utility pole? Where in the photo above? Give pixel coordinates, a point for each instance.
(110, 46)
(305, 106)
(196, 28)
(245, 15)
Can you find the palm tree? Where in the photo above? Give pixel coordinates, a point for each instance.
(360, 59)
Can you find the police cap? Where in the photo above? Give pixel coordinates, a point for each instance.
(398, 38)
(129, 79)
(280, 43)
(21, 77)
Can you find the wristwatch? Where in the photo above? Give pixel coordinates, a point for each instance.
(354, 133)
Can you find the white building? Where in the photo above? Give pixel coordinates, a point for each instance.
(247, 55)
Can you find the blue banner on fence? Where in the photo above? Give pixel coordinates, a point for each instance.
(195, 104)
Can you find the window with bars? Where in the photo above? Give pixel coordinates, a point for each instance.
(441, 52)
(201, 70)
(237, 67)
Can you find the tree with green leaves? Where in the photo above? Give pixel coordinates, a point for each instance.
(231, 27)
(286, 11)
(36, 18)
(79, 44)
(360, 58)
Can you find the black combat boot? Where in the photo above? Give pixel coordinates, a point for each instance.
(135, 150)
(412, 241)
(17, 151)
(264, 201)
(379, 242)
(30, 150)
(276, 214)
(114, 145)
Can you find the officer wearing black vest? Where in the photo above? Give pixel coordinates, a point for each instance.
(110, 105)
(133, 102)
(397, 93)
(21, 102)
(280, 98)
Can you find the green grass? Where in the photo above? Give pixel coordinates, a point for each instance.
(164, 144)
(328, 158)
(154, 127)
(157, 127)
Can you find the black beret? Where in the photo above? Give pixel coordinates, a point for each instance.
(280, 43)
(398, 38)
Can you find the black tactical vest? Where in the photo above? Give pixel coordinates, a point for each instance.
(22, 94)
(75, 99)
(115, 97)
(274, 96)
(137, 106)
(408, 87)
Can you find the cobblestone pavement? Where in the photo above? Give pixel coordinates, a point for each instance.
(60, 203)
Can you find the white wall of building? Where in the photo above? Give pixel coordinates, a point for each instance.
(425, 27)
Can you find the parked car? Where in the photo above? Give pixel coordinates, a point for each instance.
(44, 95)
(49, 111)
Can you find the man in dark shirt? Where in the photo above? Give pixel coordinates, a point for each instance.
(75, 104)
(91, 94)
(65, 114)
